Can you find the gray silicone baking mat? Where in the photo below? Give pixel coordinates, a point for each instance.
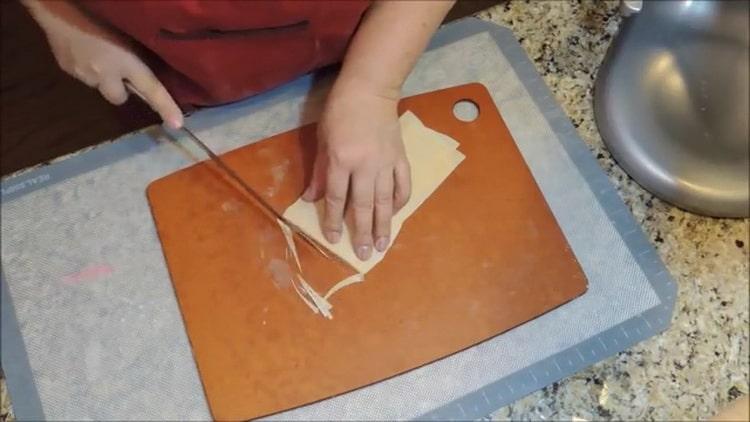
(91, 328)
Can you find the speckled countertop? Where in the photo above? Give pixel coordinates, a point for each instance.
(701, 362)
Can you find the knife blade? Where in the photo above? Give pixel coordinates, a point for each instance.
(220, 163)
(234, 176)
(270, 211)
(227, 170)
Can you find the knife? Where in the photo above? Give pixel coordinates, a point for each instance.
(234, 176)
(265, 206)
(221, 164)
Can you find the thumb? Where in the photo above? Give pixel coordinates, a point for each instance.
(316, 188)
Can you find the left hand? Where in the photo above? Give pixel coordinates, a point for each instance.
(361, 167)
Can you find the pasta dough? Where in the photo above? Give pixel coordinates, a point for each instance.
(433, 157)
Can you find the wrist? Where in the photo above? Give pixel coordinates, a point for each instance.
(348, 85)
(344, 99)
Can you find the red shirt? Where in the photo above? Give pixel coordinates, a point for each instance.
(218, 51)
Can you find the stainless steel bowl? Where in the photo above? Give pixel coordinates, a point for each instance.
(672, 103)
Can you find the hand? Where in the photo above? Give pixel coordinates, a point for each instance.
(361, 166)
(100, 58)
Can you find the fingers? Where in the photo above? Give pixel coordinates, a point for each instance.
(362, 203)
(113, 90)
(402, 189)
(88, 77)
(383, 209)
(316, 188)
(154, 93)
(337, 185)
(369, 196)
(371, 203)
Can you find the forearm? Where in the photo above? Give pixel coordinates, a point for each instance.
(39, 10)
(43, 11)
(388, 43)
(34, 6)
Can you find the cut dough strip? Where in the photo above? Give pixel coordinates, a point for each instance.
(356, 278)
(303, 295)
(320, 302)
(289, 237)
(311, 298)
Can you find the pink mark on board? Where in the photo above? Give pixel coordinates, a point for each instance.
(90, 273)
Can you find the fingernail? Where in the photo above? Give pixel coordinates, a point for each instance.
(363, 252)
(333, 237)
(382, 243)
(175, 123)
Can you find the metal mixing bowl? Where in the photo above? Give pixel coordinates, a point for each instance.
(671, 102)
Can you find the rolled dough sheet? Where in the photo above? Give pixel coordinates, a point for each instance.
(433, 157)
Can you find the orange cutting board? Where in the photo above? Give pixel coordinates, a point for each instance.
(482, 255)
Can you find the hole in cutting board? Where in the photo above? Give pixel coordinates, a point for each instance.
(466, 110)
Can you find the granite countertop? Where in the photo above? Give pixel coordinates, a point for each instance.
(701, 362)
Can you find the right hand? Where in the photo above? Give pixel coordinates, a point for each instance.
(101, 58)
